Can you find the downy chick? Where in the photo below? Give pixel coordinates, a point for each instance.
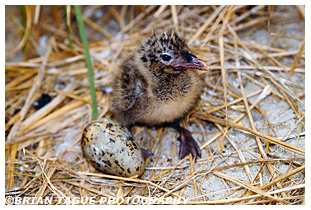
(157, 84)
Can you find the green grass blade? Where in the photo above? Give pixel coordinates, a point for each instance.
(87, 60)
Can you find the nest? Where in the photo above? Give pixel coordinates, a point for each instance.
(250, 120)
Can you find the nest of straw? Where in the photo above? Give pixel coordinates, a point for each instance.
(252, 154)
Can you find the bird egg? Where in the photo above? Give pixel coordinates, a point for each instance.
(111, 148)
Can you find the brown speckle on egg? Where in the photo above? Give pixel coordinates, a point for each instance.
(112, 140)
(109, 125)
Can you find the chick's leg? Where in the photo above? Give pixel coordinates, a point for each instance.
(146, 153)
(188, 144)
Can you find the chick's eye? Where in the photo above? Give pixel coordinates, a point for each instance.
(165, 57)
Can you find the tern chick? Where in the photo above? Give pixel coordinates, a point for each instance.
(159, 83)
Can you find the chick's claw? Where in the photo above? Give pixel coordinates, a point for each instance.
(188, 145)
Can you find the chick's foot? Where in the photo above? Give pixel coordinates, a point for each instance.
(188, 144)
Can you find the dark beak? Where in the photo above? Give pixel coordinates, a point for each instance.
(194, 64)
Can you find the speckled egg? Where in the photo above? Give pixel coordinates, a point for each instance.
(112, 148)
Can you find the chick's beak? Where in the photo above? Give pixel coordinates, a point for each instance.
(194, 64)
